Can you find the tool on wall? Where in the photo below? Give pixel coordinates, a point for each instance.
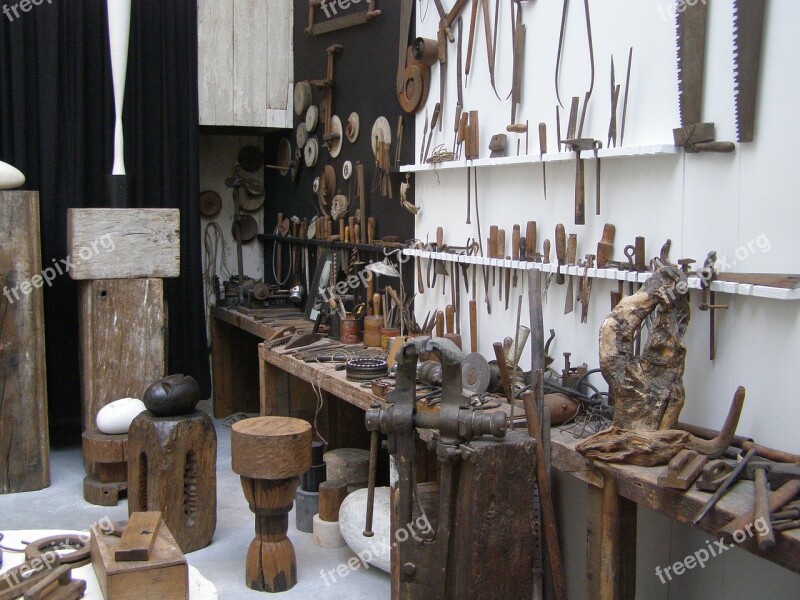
(693, 135)
(625, 99)
(519, 58)
(612, 124)
(542, 152)
(413, 77)
(327, 85)
(572, 256)
(586, 287)
(579, 145)
(559, 55)
(561, 252)
(334, 23)
(748, 33)
(708, 299)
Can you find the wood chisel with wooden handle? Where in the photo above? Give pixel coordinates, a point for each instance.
(439, 323)
(530, 241)
(561, 252)
(500, 253)
(437, 110)
(572, 255)
(605, 247)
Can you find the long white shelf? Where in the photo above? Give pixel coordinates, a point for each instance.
(725, 287)
(603, 153)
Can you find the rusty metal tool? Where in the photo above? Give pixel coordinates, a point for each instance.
(424, 133)
(578, 145)
(693, 134)
(561, 252)
(586, 288)
(777, 499)
(572, 255)
(505, 377)
(499, 254)
(546, 260)
(729, 481)
(437, 110)
(605, 247)
(519, 128)
(519, 56)
(625, 99)
(765, 538)
(708, 299)
(596, 146)
(748, 33)
(542, 152)
(572, 119)
(612, 124)
(492, 250)
(473, 22)
(713, 474)
(508, 282)
(515, 251)
(561, 36)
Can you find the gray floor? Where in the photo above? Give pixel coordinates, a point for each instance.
(61, 506)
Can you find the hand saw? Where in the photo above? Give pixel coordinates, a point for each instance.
(748, 33)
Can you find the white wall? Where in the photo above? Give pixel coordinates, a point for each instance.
(702, 202)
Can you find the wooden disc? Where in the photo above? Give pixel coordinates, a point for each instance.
(312, 118)
(104, 448)
(251, 195)
(210, 203)
(302, 97)
(301, 136)
(352, 128)
(249, 229)
(271, 447)
(331, 496)
(310, 152)
(381, 131)
(411, 94)
(335, 143)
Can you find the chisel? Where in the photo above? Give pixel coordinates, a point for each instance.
(586, 288)
(515, 241)
(499, 253)
(572, 255)
(561, 251)
(546, 261)
(508, 282)
(491, 250)
(542, 152)
(530, 240)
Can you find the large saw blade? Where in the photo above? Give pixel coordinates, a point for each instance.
(691, 34)
(748, 32)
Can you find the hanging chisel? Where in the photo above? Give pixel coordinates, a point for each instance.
(530, 240)
(500, 253)
(612, 124)
(572, 255)
(508, 283)
(605, 247)
(515, 250)
(561, 251)
(586, 288)
(434, 122)
(546, 261)
(491, 251)
(542, 152)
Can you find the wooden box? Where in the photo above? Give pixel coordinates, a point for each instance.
(165, 576)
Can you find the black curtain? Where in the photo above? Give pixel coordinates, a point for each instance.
(56, 125)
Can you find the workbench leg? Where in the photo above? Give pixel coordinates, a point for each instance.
(274, 389)
(221, 368)
(611, 543)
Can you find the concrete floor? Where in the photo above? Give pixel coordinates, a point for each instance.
(61, 506)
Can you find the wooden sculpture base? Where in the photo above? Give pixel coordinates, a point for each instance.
(107, 461)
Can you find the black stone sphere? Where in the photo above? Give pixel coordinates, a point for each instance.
(172, 396)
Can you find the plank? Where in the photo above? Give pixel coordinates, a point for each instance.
(215, 61)
(123, 243)
(139, 537)
(122, 325)
(280, 64)
(24, 439)
(250, 44)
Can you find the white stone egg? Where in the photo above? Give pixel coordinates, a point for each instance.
(10, 177)
(373, 550)
(117, 416)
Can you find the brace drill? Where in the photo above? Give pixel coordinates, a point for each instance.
(423, 568)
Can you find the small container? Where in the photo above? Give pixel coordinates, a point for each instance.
(350, 330)
(372, 331)
(387, 334)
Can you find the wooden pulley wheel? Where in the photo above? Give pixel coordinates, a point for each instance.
(333, 139)
(381, 132)
(284, 156)
(310, 152)
(411, 96)
(312, 118)
(302, 97)
(352, 127)
(347, 170)
(327, 185)
(251, 159)
(210, 203)
(301, 136)
(425, 50)
(253, 197)
(249, 229)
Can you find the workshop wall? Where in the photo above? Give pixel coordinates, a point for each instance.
(741, 205)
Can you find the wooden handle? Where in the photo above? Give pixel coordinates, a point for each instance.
(712, 147)
(376, 304)
(356, 234)
(457, 125)
(546, 251)
(500, 355)
(517, 128)
(439, 323)
(572, 248)
(530, 240)
(341, 229)
(347, 235)
(604, 252)
(542, 138)
(491, 251)
(395, 298)
(351, 225)
(500, 250)
(640, 262)
(439, 239)
(761, 511)
(473, 326)
(463, 126)
(370, 230)
(580, 192)
(561, 250)
(474, 135)
(515, 243)
(609, 232)
(280, 222)
(450, 318)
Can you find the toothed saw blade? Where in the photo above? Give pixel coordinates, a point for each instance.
(748, 33)
(690, 24)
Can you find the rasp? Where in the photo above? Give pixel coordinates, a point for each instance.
(748, 33)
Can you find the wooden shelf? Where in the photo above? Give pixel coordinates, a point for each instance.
(566, 156)
(725, 287)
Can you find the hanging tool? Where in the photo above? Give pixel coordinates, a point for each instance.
(708, 299)
(561, 35)
(508, 282)
(748, 33)
(572, 255)
(500, 253)
(561, 252)
(605, 247)
(492, 250)
(586, 287)
(612, 125)
(327, 85)
(424, 133)
(546, 261)
(542, 152)
(625, 100)
(519, 57)
(437, 110)
(515, 250)
(578, 145)
(693, 135)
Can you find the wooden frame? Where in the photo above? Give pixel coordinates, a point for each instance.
(343, 22)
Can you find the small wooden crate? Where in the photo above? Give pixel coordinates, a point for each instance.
(165, 576)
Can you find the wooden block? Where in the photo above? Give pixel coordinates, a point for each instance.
(348, 464)
(165, 576)
(139, 537)
(122, 335)
(104, 448)
(331, 495)
(682, 470)
(271, 447)
(23, 384)
(123, 243)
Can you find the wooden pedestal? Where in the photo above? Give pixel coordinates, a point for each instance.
(108, 475)
(24, 442)
(270, 453)
(172, 468)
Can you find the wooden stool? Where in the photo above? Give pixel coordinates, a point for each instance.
(172, 468)
(107, 460)
(270, 454)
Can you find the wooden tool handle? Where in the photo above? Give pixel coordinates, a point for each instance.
(439, 323)
(474, 135)
(517, 128)
(604, 252)
(463, 127)
(515, 243)
(712, 147)
(572, 248)
(370, 230)
(439, 239)
(500, 250)
(457, 125)
(280, 223)
(542, 138)
(341, 229)
(530, 240)
(546, 251)
(450, 318)
(580, 192)
(376, 304)
(492, 241)
(473, 326)
(609, 232)
(356, 234)
(370, 295)
(766, 540)
(500, 355)
(395, 298)
(561, 250)
(640, 262)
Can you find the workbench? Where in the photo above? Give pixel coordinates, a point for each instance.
(615, 491)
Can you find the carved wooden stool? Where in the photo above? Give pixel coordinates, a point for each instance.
(270, 454)
(107, 460)
(172, 468)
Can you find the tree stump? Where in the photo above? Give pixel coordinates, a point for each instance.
(108, 475)
(270, 454)
(172, 468)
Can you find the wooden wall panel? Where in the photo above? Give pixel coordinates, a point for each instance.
(24, 442)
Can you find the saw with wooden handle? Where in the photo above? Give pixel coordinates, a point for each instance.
(748, 34)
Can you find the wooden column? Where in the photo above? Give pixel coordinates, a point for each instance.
(24, 441)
